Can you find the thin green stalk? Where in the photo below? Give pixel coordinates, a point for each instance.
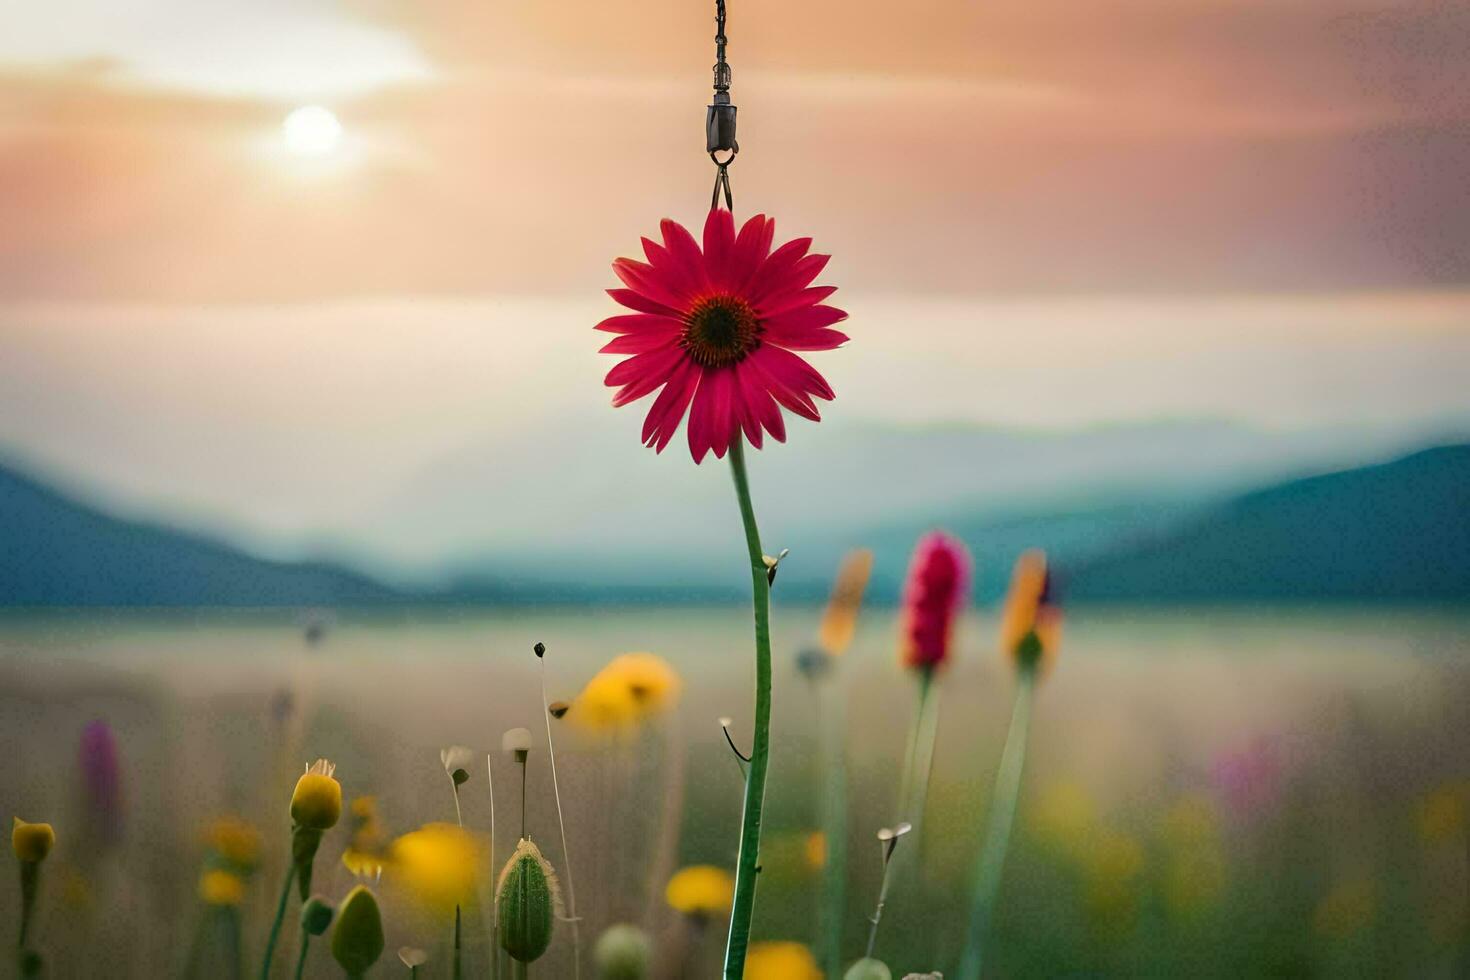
(926, 725)
(458, 972)
(30, 883)
(834, 872)
(991, 860)
(566, 855)
(494, 897)
(755, 780)
(270, 944)
(520, 968)
(301, 957)
(911, 748)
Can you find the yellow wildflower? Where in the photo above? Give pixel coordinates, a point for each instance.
(781, 961)
(630, 689)
(367, 841)
(701, 890)
(839, 620)
(439, 865)
(221, 888)
(235, 841)
(815, 850)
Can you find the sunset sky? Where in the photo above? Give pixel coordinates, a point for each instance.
(1042, 213)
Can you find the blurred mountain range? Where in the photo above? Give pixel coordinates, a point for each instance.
(1148, 520)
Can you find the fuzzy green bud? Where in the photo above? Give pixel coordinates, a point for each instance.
(529, 900)
(357, 939)
(868, 968)
(622, 952)
(316, 915)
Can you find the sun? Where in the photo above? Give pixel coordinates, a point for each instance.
(311, 131)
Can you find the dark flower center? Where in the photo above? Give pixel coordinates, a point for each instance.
(720, 330)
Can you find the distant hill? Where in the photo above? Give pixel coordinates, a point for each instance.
(1397, 531)
(57, 552)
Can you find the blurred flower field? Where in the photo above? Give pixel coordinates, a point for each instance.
(1208, 793)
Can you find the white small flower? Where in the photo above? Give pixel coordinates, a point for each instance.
(456, 757)
(412, 957)
(516, 740)
(321, 767)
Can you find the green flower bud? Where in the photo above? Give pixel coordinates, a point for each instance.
(529, 902)
(622, 952)
(868, 968)
(316, 915)
(357, 939)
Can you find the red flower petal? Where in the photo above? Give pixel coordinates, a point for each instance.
(643, 341)
(778, 266)
(668, 408)
(710, 424)
(794, 399)
(688, 261)
(719, 241)
(798, 277)
(642, 304)
(751, 247)
(645, 280)
(638, 323)
(805, 318)
(794, 372)
(808, 339)
(780, 303)
(642, 373)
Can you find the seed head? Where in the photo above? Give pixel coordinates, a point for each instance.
(529, 903)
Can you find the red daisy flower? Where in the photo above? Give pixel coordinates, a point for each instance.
(716, 329)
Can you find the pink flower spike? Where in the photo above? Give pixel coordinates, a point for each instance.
(936, 590)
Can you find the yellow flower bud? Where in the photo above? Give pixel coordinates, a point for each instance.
(32, 841)
(221, 888)
(357, 939)
(317, 802)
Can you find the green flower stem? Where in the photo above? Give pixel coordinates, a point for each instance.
(301, 957)
(755, 779)
(458, 972)
(991, 860)
(270, 944)
(30, 883)
(834, 811)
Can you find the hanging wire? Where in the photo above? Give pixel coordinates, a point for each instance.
(719, 120)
